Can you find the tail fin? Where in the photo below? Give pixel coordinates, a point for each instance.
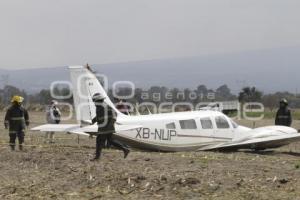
(85, 85)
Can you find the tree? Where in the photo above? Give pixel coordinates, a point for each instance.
(223, 93)
(174, 93)
(187, 93)
(250, 94)
(270, 101)
(44, 97)
(138, 95)
(9, 91)
(201, 92)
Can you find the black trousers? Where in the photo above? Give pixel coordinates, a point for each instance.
(13, 136)
(100, 143)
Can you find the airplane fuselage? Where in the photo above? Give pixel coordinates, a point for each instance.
(178, 131)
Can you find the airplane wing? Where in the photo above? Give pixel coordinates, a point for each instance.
(256, 143)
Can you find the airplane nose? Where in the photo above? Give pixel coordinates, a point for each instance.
(287, 130)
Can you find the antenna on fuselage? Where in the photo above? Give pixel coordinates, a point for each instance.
(136, 109)
(149, 110)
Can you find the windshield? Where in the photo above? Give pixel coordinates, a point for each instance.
(234, 125)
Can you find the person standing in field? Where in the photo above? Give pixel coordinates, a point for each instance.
(16, 120)
(53, 116)
(283, 116)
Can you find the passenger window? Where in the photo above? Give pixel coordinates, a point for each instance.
(188, 124)
(206, 123)
(171, 126)
(222, 123)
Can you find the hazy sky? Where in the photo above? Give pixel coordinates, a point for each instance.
(44, 33)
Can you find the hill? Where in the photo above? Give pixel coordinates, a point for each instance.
(269, 70)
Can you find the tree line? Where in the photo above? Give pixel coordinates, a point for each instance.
(159, 94)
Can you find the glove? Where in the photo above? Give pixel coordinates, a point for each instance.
(27, 123)
(6, 124)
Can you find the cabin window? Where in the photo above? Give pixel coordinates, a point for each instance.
(188, 124)
(222, 123)
(171, 126)
(206, 123)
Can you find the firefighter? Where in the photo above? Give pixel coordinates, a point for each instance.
(283, 116)
(105, 118)
(53, 116)
(16, 120)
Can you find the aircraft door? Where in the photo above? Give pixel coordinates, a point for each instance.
(207, 127)
(222, 130)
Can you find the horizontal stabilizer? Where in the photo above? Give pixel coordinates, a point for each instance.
(56, 127)
(77, 129)
(86, 129)
(94, 129)
(120, 128)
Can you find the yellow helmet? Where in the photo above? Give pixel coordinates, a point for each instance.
(17, 99)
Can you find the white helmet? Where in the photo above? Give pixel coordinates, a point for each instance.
(98, 97)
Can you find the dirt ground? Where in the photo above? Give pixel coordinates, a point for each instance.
(63, 171)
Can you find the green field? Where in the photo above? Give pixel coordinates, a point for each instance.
(268, 114)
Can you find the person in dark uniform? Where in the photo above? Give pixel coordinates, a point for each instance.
(283, 116)
(105, 118)
(16, 119)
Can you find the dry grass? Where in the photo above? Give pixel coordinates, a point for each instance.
(63, 171)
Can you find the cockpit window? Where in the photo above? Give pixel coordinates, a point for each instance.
(171, 126)
(188, 124)
(206, 123)
(222, 123)
(234, 125)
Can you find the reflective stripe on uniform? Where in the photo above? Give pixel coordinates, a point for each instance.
(106, 132)
(283, 117)
(13, 132)
(17, 118)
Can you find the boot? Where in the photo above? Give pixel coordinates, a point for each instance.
(21, 147)
(12, 147)
(95, 159)
(97, 156)
(126, 152)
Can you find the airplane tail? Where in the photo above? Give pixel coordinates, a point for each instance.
(85, 85)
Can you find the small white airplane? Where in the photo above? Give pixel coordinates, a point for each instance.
(169, 132)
